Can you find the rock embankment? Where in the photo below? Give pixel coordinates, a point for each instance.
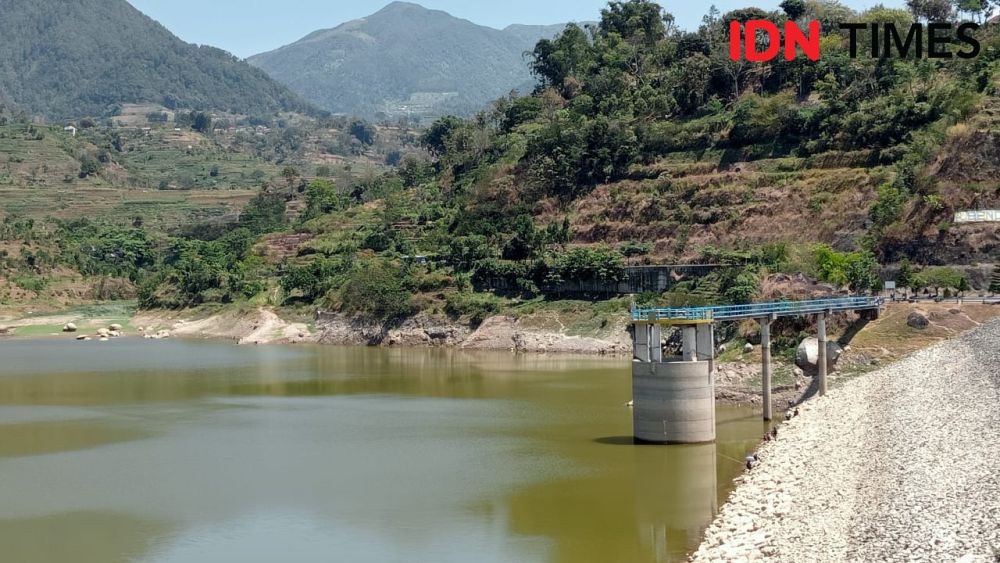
(495, 333)
(902, 464)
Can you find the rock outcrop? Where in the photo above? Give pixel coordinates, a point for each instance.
(917, 320)
(807, 355)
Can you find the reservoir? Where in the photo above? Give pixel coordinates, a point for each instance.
(178, 451)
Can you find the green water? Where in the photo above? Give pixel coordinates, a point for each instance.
(174, 451)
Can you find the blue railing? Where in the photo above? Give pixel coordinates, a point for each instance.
(757, 310)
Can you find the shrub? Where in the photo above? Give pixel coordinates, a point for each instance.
(600, 263)
(477, 307)
(377, 289)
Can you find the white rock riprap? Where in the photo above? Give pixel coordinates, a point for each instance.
(902, 464)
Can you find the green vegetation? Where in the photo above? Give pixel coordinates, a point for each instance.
(87, 58)
(383, 59)
(858, 270)
(940, 278)
(640, 144)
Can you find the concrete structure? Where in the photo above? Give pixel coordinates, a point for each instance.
(978, 216)
(674, 398)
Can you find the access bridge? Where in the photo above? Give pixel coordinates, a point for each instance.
(674, 398)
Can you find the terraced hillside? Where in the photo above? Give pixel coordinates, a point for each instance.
(40, 176)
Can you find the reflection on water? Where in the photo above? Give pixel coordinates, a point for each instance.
(208, 452)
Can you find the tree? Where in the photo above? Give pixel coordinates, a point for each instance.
(393, 158)
(631, 249)
(322, 197)
(201, 122)
(435, 139)
(553, 61)
(601, 264)
(524, 244)
(313, 280)
(904, 278)
(264, 213)
(743, 288)
(831, 265)
(363, 131)
(377, 289)
(638, 21)
(963, 286)
(794, 9)
(941, 277)
(930, 10)
(89, 166)
(863, 273)
(973, 7)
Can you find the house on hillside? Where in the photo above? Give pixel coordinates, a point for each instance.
(70, 129)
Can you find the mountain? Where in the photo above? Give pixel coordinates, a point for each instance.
(404, 60)
(68, 58)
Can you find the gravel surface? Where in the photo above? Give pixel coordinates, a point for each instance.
(902, 464)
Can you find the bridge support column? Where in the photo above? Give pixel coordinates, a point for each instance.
(705, 344)
(640, 342)
(655, 343)
(765, 373)
(821, 352)
(689, 343)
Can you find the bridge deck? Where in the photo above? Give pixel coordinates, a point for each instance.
(756, 310)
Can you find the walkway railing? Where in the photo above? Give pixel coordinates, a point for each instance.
(757, 310)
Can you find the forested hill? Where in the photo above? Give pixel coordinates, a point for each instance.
(405, 60)
(640, 143)
(65, 59)
(643, 132)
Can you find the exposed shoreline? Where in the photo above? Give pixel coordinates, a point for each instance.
(737, 376)
(901, 464)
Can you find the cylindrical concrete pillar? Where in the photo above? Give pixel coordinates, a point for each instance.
(705, 335)
(765, 374)
(640, 342)
(656, 343)
(689, 343)
(674, 403)
(821, 352)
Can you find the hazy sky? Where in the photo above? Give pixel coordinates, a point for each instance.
(248, 27)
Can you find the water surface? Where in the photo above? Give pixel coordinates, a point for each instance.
(172, 451)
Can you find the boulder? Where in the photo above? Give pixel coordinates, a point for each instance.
(917, 320)
(807, 354)
(103, 332)
(69, 327)
(747, 348)
(83, 337)
(114, 333)
(104, 339)
(115, 327)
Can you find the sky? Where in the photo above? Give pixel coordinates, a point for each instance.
(248, 27)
